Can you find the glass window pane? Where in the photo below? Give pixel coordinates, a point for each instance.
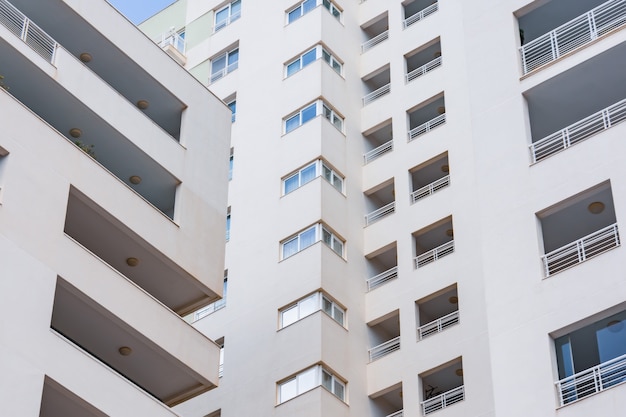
(307, 238)
(338, 389)
(337, 66)
(327, 112)
(327, 173)
(326, 236)
(336, 12)
(289, 316)
(309, 305)
(291, 183)
(327, 380)
(326, 4)
(288, 390)
(308, 113)
(294, 14)
(308, 5)
(338, 182)
(307, 174)
(235, 7)
(292, 123)
(290, 247)
(337, 246)
(327, 306)
(293, 67)
(338, 122)
(220, 18)
(325, 55)
(611, 340)
(308, 57)
(307, 380)
(233, 56)
(338, 315)
(218, 64)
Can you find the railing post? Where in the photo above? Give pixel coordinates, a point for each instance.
(606, 119)
(546, 266)
(580, 245)
(524, 65)
(566, 139)
(593, 32)
(554, 46)
(24, 33)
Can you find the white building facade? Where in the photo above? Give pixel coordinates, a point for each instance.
(424, 205)
(113, 179)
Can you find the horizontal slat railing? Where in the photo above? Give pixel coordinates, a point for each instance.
(578, 132)
(438, 325)
(230, 19)
(369, 44)
(444, 400)
(376, 94)
(420, 15)
(579, 251)
(430, 189)
(433, 255)
(573, 34)
(418, 72)
(220, 74)
(382, 278)
(427, 127)
(378, 151)
(26, 30)
(593, 380)
(380, 213)
(384, 349)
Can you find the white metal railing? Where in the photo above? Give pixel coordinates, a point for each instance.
(418, 72)
(592, 380)
(26, 30)
(220, 372)
(230, 19)
(376, 94)
(420, 15)
(430, 189)
(433, 255)
(579, 251)
(382, 278)
(579, 131)
(211, 308)
(444, 400)
(221, 73)
(397, 414)
(378, 151)
(427, 127)
(438, 325)
(171, 37)
(370, 43)
(573, 34)
(384, 349)
(380, 213)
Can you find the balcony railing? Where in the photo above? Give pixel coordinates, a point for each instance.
(420, 15)
(230, 19)
(26, 30)
(382, 278)
(378, 151)
(444, 400)
(579, 251)
(430, 189)
(433, 255)
(370, 43)
(380, 213)
(438, 325)
(221, 73)
(397, 414)
(418, 72)
(211, 308)
(172, 38)
(427, 127)
(573, 34)
(593, 380)
(376, 94)
(579, 131)
(384, 349)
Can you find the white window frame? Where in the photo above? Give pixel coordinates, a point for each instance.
(228, 67)
(228, 219)
(320, 301)
(321, 377)
(321, 233)
(321, 109)
(321, 169)
(231, 16)
(319, 52)
(231, 163)
(299, 11)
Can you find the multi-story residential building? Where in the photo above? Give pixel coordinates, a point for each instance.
(424, 205)
(114, 180)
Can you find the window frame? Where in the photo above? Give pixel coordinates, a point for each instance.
(322, 233)
(229, 19)
(320, 52)
(228, 67)
(323, 303)
(321, 109)
(329, 5)
(321, 375)
(322, 169)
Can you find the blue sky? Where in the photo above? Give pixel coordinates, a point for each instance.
(139, 10)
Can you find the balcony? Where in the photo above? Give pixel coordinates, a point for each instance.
(377, 85)
(378, 141)
(569, 36)
(383, 264)
(429, 177)
(443, 387)
(444, 400)
(26, 30)
(380, 202)
(416, 11)
(57, 400)
(173, 43)
(437, 312)
(375, 32)
(388, 403)
(433, 243)
(423, 60)
(426, 117)
(384, 335)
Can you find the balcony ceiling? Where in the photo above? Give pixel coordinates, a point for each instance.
(57, 401)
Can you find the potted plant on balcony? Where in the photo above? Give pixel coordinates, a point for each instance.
(2, 85)
(88, 149)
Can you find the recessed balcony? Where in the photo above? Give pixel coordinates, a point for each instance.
(378, 141)
(382, 266)
(423, 60)
(376, 85)
(443, 387)
(388, 403)
(417, 10)
(57, 400)
(380, 202)
(437, 312)
(429, 177)
(384, 336)
(375, 32)
(433, 243)
(426, 116)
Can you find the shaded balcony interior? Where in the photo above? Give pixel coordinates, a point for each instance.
(578, 228)
(422, 60)
(376, 84)
(426, 116)
(384, 335)
(387, 403)
(436, 312)
(214, 306)
(592, 358)
(382, 266)
(103, 57)
(416, 10)
(442, 386)
(125, 251)
(578, 103)
(81, 126)
(56, 401)
(380, 201)
(429, 177)
(433, 242)
(375, 31)
(122, 348)
(378, 141)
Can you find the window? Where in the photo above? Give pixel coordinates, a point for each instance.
(311, 56)
(308, 237)
(307, 5)
(233, 109)
(224, 64)
(309, 173)
(228, 225)
(309, 305)
(307, 380)
(309, 112)
(217, 305)
(230, 163)
(173, 37)
(227, 14)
